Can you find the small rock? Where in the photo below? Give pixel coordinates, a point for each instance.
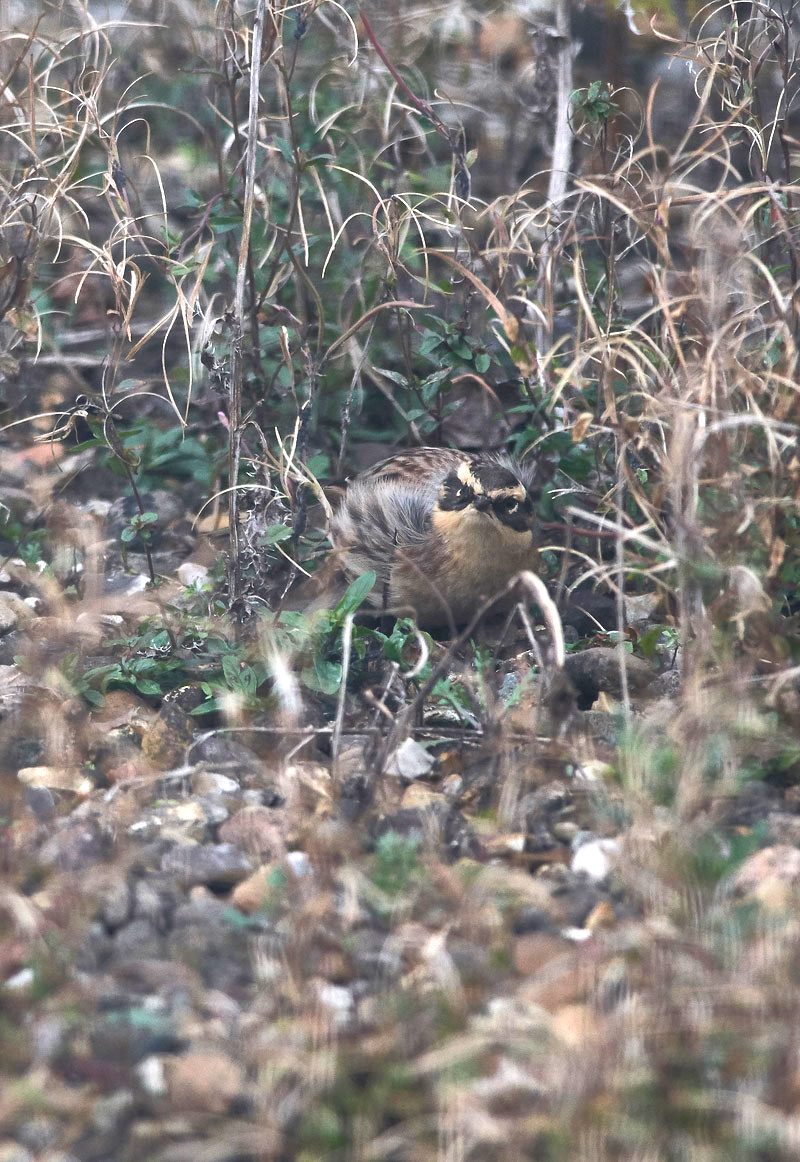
(20, 981)
(166, 740)
(594, 858)
(204, 939)
(597, 670)
(136, 941)
(80, 843)
(533, 950)
(420, 796)
(452, 787)
(587, 609)
(771, 877)
(151, 1076)
(182, 822)
(38, 1132)
(575, 1024)
(211, 783)
(256, 831)
(531, 919)
(57, 779)
(640, 608)
(595, 770)
(155, 899)
(510, 844)
(14, 1152)
(666, 685)
(41, 801)
(565, 830)
(298, 864)
(117, 904)
(214, 811)
(48, 1037)
(218, 865)
(207, 1082)
(216, 752)
(190, 573)
(251, 894)
(338, 1000)
(109, 1113)
(14, 612)
(410, 761)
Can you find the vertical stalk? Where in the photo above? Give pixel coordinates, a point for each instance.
(235, 408)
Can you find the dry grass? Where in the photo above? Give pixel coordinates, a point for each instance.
(643, 320)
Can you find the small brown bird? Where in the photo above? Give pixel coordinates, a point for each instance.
(441, 529)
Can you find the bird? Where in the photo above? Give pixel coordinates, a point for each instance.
(441, 529)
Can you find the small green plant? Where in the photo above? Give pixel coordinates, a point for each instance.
(595, 103)
(29, 544)
(658, 641)
(240, 677)
(139, 525)
(396, 862)
(149, 666)
(316, 638)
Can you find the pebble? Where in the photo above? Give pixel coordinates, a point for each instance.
(20, 981)
(56, 779)
(212, 783)
(594, 858)
(151, 1075)
(410, 761)
(205, 1081)
(298, 863)
(190, 573)
(253, 893)
(565, 830)
(255, 830)
(13, 612)
(219, 864)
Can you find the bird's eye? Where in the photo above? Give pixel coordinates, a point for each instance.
(511, 506)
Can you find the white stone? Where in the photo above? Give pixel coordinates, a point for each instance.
(20, 980)
(299, 863)
(594, 858)
(410, 761)
(190, 573)
(150, 1072)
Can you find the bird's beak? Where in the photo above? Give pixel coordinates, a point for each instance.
(481, 502)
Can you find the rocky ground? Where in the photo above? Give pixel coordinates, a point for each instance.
(263, 938)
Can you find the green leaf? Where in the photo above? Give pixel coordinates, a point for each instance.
(128, 534)
(395, 376)
(430, 344)
(285, 147)
(209, 707)
(276, 533)
(325, 676)
(482, 362)
(147, 686)
(356, 594)
(436, 378)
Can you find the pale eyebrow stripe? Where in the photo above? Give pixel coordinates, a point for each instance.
(510, 493)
